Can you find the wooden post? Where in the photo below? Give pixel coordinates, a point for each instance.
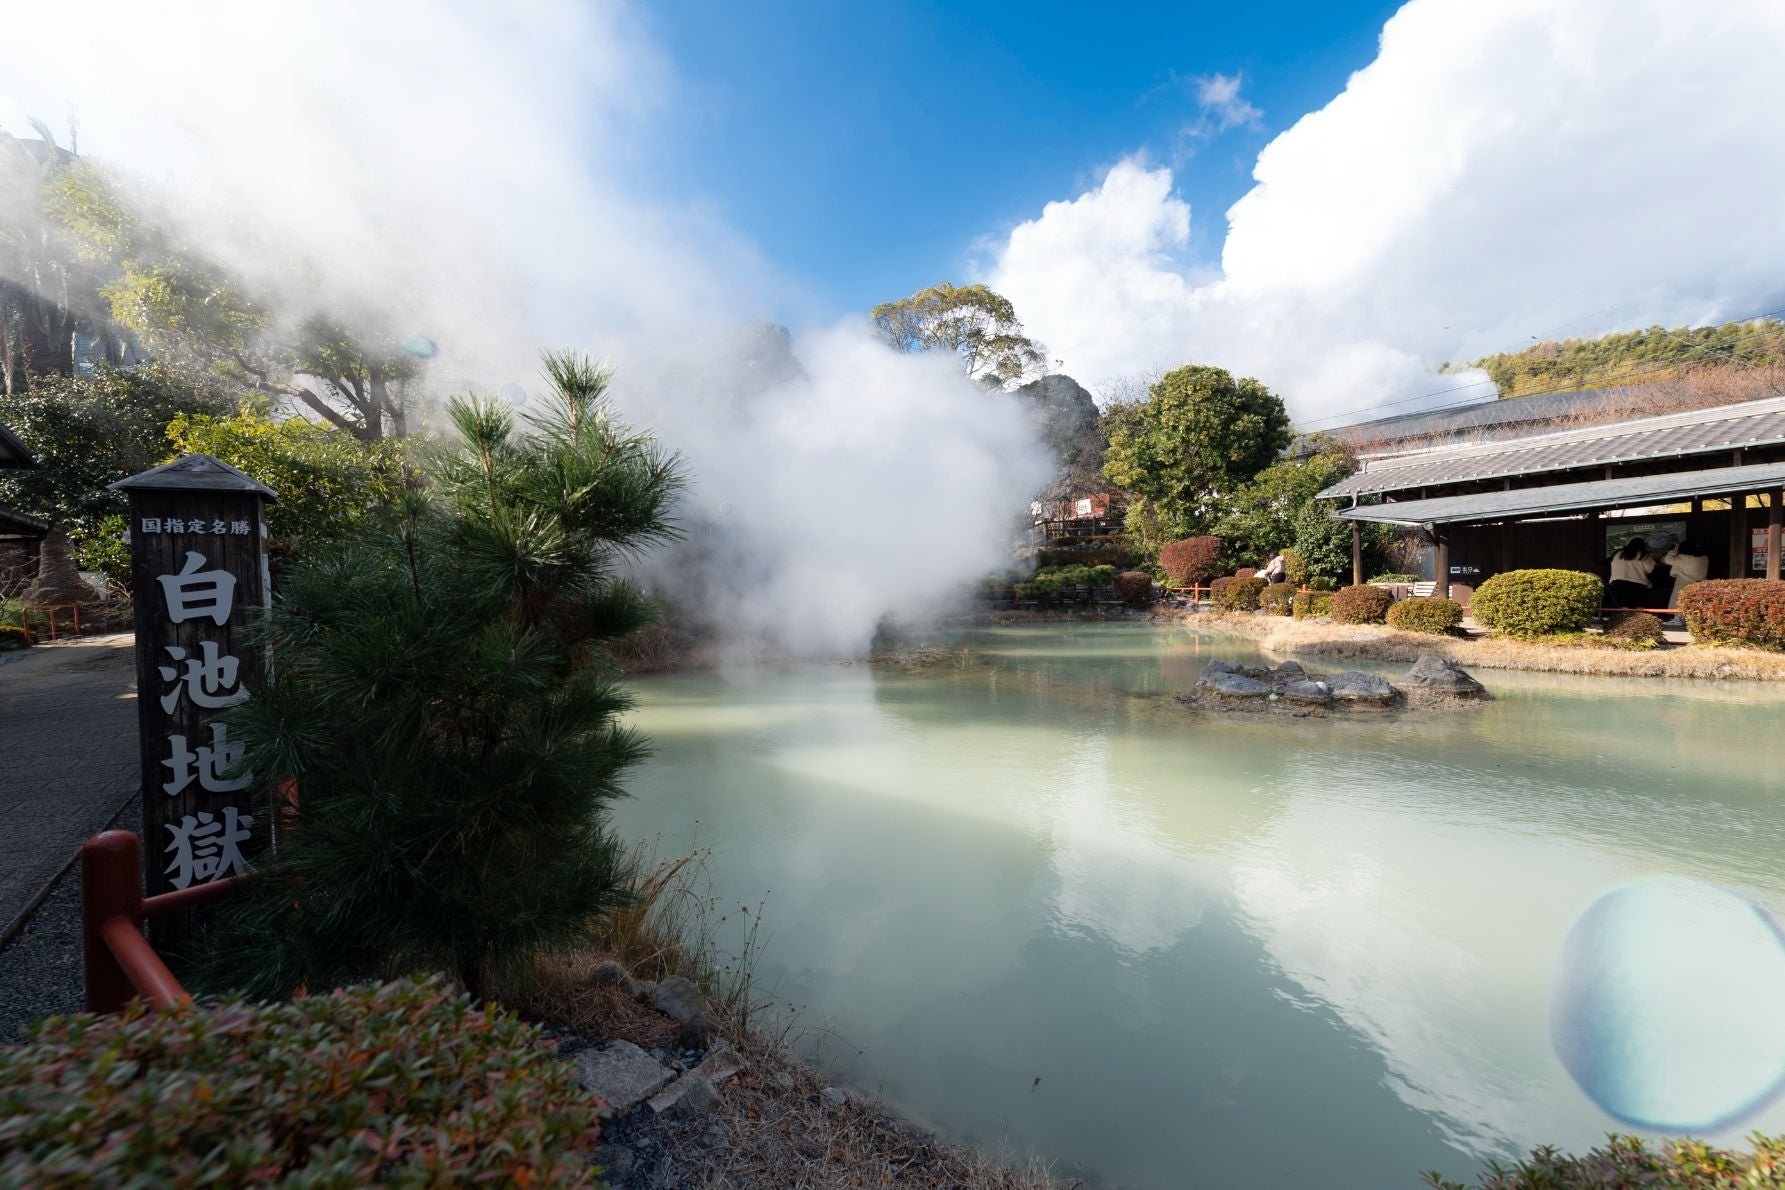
(1357, 554)
(199, 570)
(1775, 527)
(1440, 565)
(1738, 536)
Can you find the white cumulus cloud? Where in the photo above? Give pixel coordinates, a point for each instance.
(1500, 171)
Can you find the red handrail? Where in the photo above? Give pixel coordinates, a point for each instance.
(120, 963)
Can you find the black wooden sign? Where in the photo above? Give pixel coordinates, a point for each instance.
(199, 569)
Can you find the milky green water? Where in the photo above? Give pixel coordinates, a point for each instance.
(1235, 952)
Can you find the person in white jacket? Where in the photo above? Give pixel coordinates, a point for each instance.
(1690, 564)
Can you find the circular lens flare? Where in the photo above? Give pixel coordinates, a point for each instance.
(419, 346)
(1666, 1005)
(514, 394)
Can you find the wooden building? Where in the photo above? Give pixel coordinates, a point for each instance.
(1567, 499)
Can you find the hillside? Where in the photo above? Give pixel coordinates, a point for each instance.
(1640, 357)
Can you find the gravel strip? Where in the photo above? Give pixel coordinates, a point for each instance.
(40, 967)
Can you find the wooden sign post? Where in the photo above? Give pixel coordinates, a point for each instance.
(199, 569)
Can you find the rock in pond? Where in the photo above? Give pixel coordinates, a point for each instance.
(1354, 686)
(1433, 674)
(1225, 684)
(1309, 693)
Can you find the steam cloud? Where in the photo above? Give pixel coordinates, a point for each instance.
(1500, 172)
(464, 170)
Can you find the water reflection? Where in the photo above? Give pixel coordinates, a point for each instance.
(1233, 951)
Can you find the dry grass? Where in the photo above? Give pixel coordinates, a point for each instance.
(1374, 643)
(777, 1130)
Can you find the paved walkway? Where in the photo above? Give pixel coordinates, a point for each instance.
(67, 758)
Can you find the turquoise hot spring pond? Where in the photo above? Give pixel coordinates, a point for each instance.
(1245, 951)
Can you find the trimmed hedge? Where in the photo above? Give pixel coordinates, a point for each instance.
(1527, 603)
(1737, 611)
(1295, 569)
(1277, 599)
(13, 637)
(1237, 593)
(1426, 613)
(1245, 572)
(1311, 605)
(1396, 577)
(1192, 561)
(1636, 630)
(1360, 605)
(1134, 588)
(1628, 1161)
(407, 1084)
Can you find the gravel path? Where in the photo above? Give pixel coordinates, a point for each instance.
(67, 758)
(40, 966)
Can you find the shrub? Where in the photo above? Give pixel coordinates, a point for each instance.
(13, 637)
(1277, 599)
(1526, 603)
(1396, 578)
(1192, 561)
(1295, 569)
(1245, 572)
(1425, 614)
(1636, 630)
(1310, 605)
(1741, 611)
(1239, 593)
(1628, 1161)
(1134, 588)
(405, 1084)
(1360, 605)
(1322, 583)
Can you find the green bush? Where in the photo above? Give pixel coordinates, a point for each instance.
(406, 1084)
(1628, 1161)
(1360, 605)
(1295, 569)
(1528, 603)
(1396, 578)
(1312, 604)
(1741, 611)
(13, 637)
(1237, 593)
(1322, 583)
(1636, 630)
(1277, 599)
(1428, 614)
(1135, 588)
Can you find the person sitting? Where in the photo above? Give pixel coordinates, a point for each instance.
(1276, 570)
(1690, 564)
(1630, 571)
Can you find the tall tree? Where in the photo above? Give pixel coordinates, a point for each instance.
(1262, 515)
(1197, 438)
(972, 322)
(193, 310)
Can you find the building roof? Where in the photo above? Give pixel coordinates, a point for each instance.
(1490, 413)
(14, 521)
(13, 452)
(193, 473)
(1726, 427)
(1636, 491)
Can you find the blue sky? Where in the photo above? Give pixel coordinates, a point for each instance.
(865, 147)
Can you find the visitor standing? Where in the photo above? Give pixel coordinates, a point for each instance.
(1630, 571)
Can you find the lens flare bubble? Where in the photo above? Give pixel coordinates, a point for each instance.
(1666, 1005)
(419, 346)
(514, 394)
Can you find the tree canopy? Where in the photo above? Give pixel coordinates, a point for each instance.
(1263, 514)
(971, 322)
(1182, 453)
(194, 312)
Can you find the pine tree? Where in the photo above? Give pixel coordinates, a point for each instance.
(445, 708)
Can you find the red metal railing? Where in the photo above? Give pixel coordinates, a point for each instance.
(74, 610)
(120, 963)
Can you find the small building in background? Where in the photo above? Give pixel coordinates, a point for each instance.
(1568, 498)
(1096, 514)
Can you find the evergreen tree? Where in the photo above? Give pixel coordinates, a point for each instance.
(444, 706)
